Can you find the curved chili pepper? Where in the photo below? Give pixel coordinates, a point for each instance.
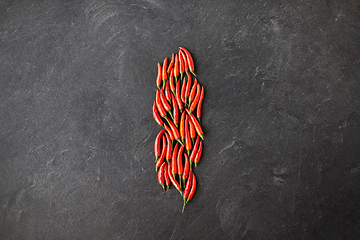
(186, 168)
(198, 154)
(163, 153)
(183, 88)
(182, 127)
(164, 74)
(178, 97)
(166, 175)
(192, 132)
(165, 103)
(188, 145)
(176, 68)
(171, 64)
(198, 109)
(193, 187)
(196, 124)
(171, 81)
(161, 176)
(194, 151)
(179, 163)
(196, 100)
(173, 181)
(168, 149)
(186, 68)
(193, 91)
(156, 115)
(187, 190)
(169, 131)
(157, 148)
(167, 92)
(159, 105)
(175, 131)
(181, 66)
(187, 90)
(174, 161)
(189, 60)
(175, 111)
(158, 79)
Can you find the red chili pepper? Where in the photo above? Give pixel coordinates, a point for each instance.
(175, 131)
(193, 91)
(169, 131)
(161, 176)
(198, 110)
(157, 148)
(179, 162)
(183, 88)
(175, 111)
(193, 187)
(186, 68)
(173, 181)
(167, 92)
(187, 90)
(169, 148)
(182, 127)
(164, 74)
(156, 115)
(165, 103)
(189, 60)
(188, 145)
(176, 68)
(163, 153)
(198, 154)
(178, 97)
(159, 105)
(196, 124)
(181, 66)
(171, 64)
(186, 168)
(187, 190)
(192, 131)
(166, 175)
(196, 100)
(171, 81)
(158, 79)
(194, 151)
(174, 160)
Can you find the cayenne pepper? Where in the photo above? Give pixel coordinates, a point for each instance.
(189, 60)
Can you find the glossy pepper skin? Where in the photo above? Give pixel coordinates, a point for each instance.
(187, 190)
(157, 146)
(173, 181)
(193, 187)
(171, 64)
(175, 111)
(179, 163)
(198, 154)
(193, 91)
(156, 115)
(176, 68)
(163, 154)
(192, 132)
(198, 109)
(188, 144)
(181, 66)
(186, 168)
(164, 73)
(174, 160)
(171, 81)
(166, 175)
(187, 90)
(186, 68)
(196, 100)
(159, 105)
(169, 131)
(178, 97)
(168, 93)
(189, 60)
(182, 127)
(175, 131)
(161, 176)
(158, 79)
(165, 103)
(196, 124)
(194, 151)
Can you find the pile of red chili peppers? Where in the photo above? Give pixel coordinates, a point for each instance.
(177, 108)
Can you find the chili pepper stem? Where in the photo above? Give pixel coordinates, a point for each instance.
(184, 204)
(193, 73)
(156, 168)
(163, 186)
(196, 164)
(199, 120)
(190, 163)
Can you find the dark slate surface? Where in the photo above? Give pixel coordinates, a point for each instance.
(280, 116)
